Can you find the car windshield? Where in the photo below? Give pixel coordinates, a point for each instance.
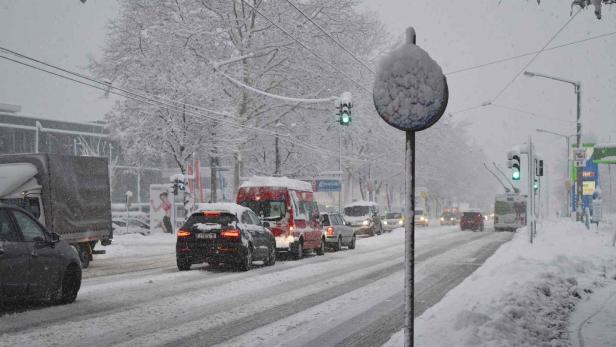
(356, 211)
(393, 215)
(448, 215)
(471, 214)
(418, 212)
(267, 209)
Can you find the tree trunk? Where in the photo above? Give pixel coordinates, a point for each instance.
(277, 157)
(213, 179)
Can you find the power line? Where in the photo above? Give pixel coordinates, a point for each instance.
(527, 54)
(361, 86)
(284, 137)
(331, 37)
(535, 56)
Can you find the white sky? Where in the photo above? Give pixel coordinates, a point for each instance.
(457, 34)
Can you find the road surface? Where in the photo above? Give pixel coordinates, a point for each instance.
(347, 298)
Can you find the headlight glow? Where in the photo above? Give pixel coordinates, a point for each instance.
(366, 222)
(442, 218)
(385, 222)
(400, 222)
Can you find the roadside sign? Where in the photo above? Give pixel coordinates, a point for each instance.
(588, 187)
(327, 186)
(579, 157)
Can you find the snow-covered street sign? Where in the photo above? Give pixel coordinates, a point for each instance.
(411, 94)
(579, 157)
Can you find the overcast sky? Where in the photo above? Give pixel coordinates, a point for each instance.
(457, 34)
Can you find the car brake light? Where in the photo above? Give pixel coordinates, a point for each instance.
(330, 231)
(211, 213)
(230, 234)
(184, 233)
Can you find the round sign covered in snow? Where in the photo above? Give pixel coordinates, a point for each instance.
(410, 90)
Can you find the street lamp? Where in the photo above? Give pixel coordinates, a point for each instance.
(566, 137)
(578, 92)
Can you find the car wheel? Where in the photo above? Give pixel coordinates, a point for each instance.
(183, 263)
(299, 252)
(352, 244)
(84, 256)
(271, 259)
(246, 263)
(321, 249)
(71, 282)
(338, 244)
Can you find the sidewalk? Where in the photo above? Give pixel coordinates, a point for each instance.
(593, 323)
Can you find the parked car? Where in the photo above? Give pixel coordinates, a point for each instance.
(449, 218)
(135, 226)
(224, 233)
(392, 220)
(364, 217)
(472, 220)
(421, 219)
(337, 232)
(289, 206)
(35, 264)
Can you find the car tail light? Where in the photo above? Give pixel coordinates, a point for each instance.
(184, 233)
(330, 231)
(211, 213)
(230, 234)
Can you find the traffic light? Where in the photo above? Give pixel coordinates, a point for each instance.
(536, 184)
(514, 165)
(344, 104)
(539, 168)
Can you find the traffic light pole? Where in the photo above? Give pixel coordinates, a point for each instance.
(340, 168)
(409, 240)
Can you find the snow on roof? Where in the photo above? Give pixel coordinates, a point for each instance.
(361, 203)
(281, 182)
(222, 207)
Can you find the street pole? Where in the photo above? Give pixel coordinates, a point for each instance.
(409, 240)
(340, 168)
(568, 177)
(578, 196)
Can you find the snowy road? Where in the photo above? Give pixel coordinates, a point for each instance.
(348, 298)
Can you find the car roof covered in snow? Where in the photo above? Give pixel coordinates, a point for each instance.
(279, 182)
(229, 207)
(361, 203)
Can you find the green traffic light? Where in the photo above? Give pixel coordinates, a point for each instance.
(515, 175)
(536, 185)
(345, 119)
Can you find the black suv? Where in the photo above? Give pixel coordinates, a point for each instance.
(34, 263)
(224, 233)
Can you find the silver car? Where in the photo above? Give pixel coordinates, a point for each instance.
(392, 220)
(337, 232)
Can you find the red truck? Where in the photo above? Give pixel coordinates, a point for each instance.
(288, 206)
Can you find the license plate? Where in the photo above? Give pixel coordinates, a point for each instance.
(206, 236)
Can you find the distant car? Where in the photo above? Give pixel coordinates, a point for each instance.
(35, 264)
(337, 232)
(472, 220)
(449, 218)
(224, 233)
(364, 217)
(135, 226)
(421, 219)
(392, 220)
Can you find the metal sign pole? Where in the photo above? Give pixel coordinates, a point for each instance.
(409, 240)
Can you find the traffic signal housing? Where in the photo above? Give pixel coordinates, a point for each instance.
(536, 184)
(344, 104)
(514, 165)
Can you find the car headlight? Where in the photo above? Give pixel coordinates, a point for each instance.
(365, 223)
(400, 222)
(384, 222)
(442, 218)
(422, 218)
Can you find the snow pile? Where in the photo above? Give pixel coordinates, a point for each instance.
(279, 182)
(409, 90)
(207, 226)
(361, 203)
(524, 294)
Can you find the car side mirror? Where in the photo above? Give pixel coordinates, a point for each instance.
(55, 237)
(266, 225)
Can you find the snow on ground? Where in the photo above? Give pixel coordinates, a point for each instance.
(137, 245)
(524, 294)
